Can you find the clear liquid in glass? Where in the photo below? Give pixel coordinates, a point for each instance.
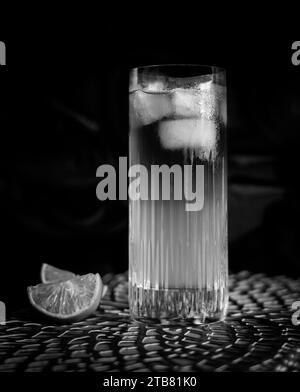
(178, 258)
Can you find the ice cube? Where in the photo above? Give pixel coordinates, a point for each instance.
(156, 87)
(193, 133)
(185, 103)
(151, 107)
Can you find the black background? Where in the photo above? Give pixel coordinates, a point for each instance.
(63, 112)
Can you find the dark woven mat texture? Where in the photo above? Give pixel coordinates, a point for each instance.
(257, 335)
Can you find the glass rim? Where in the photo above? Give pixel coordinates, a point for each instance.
(217, 69)
(173, 76)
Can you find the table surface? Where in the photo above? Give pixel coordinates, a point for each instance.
(257, 335)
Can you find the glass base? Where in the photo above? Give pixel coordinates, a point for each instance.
(177, 306)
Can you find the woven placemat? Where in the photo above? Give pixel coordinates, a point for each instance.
(257, 335)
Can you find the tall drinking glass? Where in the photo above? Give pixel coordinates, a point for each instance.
(178, 263)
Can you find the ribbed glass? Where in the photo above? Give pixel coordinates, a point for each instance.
(178, 259)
